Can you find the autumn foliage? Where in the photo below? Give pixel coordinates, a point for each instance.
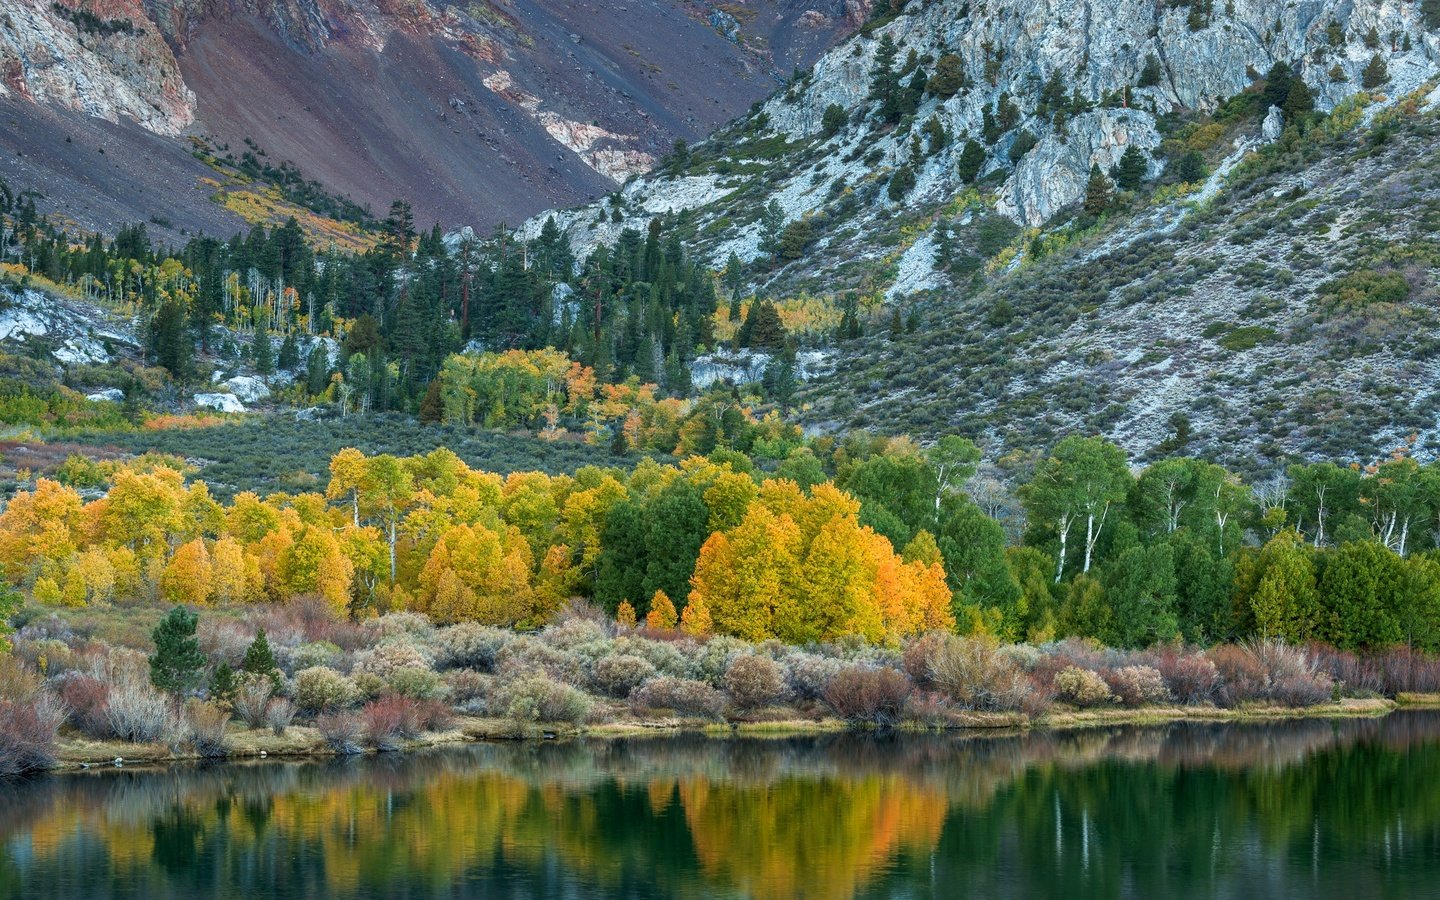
(720, 551)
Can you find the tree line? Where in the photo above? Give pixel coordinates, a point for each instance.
(854, 536)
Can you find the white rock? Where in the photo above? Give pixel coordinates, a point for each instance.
(1274, 124)
(228, 403)
(248, 388)
(110, 395)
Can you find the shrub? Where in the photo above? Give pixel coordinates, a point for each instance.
(137, 712)
(928, 708)
(467, 686)
(754, 681)
(1302, 689)
(1354, 674)
(309, 656)
(417, 684)
(976, 675)
(402, 627)
(712, 659)
(1403, 669)
(572, 633)
(341, 731)
(389, 721)
(432, 715)
(205, 728)
(27, 734)
(279, 713)
(529, 656)
(250, 700)
(1137, 685)
(321, 689)
(1242, 676)
(915, 658)
(370, 685)
(1191, 677)
(621, 673)
(1081, 687)
(88, 699)
(680, 695)
(810, 674)
(536, 698)
(386, 658)
(864, 696)
(469, 645)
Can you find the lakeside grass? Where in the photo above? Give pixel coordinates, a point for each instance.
(77, 753)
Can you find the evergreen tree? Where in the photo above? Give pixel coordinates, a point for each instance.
(1097, 192)
(972, 159)
(263, 352)
(885, 85)
(289, 359)
(949, 77)
(177, 663)
(1376, 74)
(1130, 172)
(833, 120)
(259, 661)
(223, 684)
(1151, 73)
(169, 342)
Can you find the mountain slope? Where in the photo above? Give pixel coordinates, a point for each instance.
(1151, 309)
(476, 113)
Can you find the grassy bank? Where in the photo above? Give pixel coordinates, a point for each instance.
(87, 686)
(76, 752)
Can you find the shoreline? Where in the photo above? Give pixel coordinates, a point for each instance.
(76, 754)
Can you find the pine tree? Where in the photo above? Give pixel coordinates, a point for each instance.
(259, 661)
(222, 684)
(972, 160)
(289, 359)
(885, 81)
(1151, 74)
(1376, 74)
(264, 352)
(169, 342)
(1097, 192)
(1131, 170)
(177, 662)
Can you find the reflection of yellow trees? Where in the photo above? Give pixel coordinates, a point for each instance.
(823, 817)
(807, 837)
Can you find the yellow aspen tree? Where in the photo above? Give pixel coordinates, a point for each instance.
(661, 616)
(695, 621)
(187, 579)
(229, 574)
(625, 614)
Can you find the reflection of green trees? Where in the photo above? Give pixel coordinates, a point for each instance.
(1308, 808)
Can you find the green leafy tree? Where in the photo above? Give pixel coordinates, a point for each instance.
(177, 664)
(1140, 586)
(1074, 490)
(10, 602)
(1363, 583)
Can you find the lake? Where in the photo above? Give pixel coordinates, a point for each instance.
(1309, 808)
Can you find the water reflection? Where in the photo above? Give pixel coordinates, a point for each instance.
(1304, 809)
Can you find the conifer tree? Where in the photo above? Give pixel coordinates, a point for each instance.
(176, 664)
(259, 660)
(1097, 192)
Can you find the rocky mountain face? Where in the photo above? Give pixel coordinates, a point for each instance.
(475, 112)
(1027, 317)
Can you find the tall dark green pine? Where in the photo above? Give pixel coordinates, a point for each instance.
(260, 660)
(177, 663)
(169, 342)
(1131, 170)
(263, 352)
(289, 359)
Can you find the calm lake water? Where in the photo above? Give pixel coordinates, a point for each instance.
(1347, 809)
